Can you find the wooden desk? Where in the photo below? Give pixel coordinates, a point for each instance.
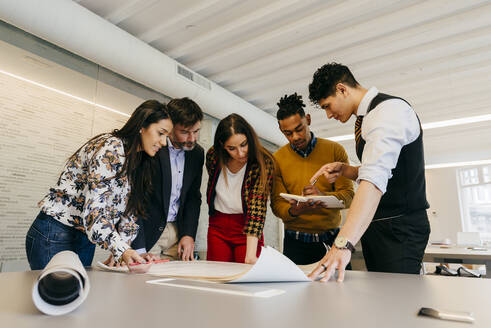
(365, 299)
(456, 254)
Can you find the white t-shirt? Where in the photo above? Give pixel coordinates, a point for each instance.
(228, 197)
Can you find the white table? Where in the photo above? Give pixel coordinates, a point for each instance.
(458, 254)
(365, 299)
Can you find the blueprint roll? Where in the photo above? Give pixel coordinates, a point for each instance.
(62, 286)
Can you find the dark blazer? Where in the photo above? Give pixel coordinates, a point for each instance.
(189, 205)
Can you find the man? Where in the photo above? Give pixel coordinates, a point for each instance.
(391, 191)
(173, 212)
(309, 228)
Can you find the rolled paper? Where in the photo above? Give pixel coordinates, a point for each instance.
(62, 286)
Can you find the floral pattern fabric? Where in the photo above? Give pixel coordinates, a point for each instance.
(91, 197)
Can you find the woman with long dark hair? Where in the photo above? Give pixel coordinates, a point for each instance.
(240, 180)
(101, 191)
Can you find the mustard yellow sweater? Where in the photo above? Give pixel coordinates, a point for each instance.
(293, 174)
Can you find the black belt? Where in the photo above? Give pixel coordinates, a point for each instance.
(326, 236)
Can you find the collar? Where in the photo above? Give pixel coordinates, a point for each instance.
(365, 101)
(172, 148)
(310, 146)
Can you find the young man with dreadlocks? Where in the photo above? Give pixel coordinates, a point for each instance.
(309, 228)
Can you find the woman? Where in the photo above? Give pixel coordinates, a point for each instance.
(240, 180)
(100, 192)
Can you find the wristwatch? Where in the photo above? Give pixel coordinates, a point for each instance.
(343, 243)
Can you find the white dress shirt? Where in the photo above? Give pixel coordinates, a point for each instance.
(177, 159)
(387, 128)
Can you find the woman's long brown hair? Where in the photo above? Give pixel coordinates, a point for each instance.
(236, 124)
(138, 166)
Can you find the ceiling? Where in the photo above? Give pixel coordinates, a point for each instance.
(436, 54)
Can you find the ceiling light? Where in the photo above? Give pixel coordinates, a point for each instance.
(457, 164)
(457, 121)
(432, 125)
(64, 93)
(342, 138)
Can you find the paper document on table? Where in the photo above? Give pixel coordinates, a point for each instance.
(122, 268)
(327, 201)
(201, 270)
(101, 266)
(212, 287)
(272, 266)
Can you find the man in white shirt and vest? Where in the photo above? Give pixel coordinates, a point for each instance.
(388, 212)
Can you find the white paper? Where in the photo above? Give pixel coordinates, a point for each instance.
(101, 266)
(272, 266)
(208, 286)
(208, 270)
(67, 262)
(327, 201)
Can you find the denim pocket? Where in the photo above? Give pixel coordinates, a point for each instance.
(36, 249)
(60, 233)
(39, 228)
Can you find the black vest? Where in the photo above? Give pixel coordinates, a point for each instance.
(406, 190)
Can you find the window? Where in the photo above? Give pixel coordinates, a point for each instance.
(475, 200)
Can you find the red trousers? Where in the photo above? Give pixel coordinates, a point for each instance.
(226, 239)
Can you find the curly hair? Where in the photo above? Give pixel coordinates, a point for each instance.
(290, 105)
(326, 78)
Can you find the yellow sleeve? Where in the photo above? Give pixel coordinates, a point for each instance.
(279, 205)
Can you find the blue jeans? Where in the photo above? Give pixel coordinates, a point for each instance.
(47, 237)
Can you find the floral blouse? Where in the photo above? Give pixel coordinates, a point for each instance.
(89, 197)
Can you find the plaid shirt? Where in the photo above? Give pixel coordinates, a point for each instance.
(253, 200)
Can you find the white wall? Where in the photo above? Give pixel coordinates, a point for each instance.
(444, 211)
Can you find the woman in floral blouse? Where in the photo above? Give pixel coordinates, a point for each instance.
(101, 191)
(240, 179)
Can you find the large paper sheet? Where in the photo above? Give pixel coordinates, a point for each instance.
(272, 266)
(103, 267)
(327, 201)
(212, 287)
(63, 264)
(207, 270)
(204, 270)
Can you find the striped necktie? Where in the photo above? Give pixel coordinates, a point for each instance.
(359, 119)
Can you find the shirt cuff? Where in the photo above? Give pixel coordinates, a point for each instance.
(376, 178)
(117, 246)
(141, 250)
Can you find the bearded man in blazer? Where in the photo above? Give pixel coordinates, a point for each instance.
(169, 229)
